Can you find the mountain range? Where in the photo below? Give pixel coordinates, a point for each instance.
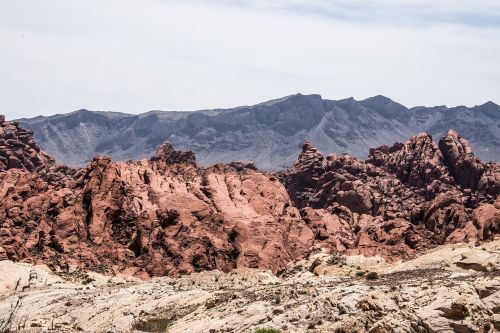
(270, 134)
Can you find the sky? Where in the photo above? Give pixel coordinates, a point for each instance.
(57, 56)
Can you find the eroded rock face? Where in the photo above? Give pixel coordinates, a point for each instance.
(19, 151)
(469, 172)
(416, 184)
(167, 154)
(417, 163)
(152, 218)
(166, 216)
(459, 157)
(158, 217)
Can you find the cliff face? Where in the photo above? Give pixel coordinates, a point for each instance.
(270, 133)
(167, 216)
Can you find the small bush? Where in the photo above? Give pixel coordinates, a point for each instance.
(372, 276)
(267, 330)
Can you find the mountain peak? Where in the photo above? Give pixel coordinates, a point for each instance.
(312, 96)
(380, 100)
(489, 104)
(489, 108)
(297, 96)
(81, 111)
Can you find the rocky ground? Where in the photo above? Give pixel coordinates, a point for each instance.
(453, 288)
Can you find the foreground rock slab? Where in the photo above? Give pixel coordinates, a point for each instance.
(323, 293)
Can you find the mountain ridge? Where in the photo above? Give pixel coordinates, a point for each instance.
(268, 133)
(375, 97)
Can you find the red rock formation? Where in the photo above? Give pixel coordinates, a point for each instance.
(469, 172)
(152, 217)
(343, 180)
(167, 154)
(166, 216)
(304, 179)
(411, 182)
(19, 151)
(418, 163)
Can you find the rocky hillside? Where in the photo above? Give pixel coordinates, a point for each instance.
(270, 133)
(453, 288)
(167, 216)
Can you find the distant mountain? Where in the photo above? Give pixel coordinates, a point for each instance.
(270, 134)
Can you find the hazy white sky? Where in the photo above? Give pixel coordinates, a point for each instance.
(133, 56)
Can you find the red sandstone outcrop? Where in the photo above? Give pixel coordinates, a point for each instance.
(166, 216)
(412, 182)
(169, 155)
(469, 172)
(418, 163)
(343, 180)
(149, 216)
(18, 150)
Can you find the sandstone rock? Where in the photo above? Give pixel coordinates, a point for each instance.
(486, 287)
(167, 154)
(303, 181)
(406, 181)
(480, 261)
(3, 254)
(468, 171)
(18, 150)
(451, 312)
(407, 297)
(458, 156)
(493, 302)
(417, 163)
(446, 213)
(486, 219)
(166, 216)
